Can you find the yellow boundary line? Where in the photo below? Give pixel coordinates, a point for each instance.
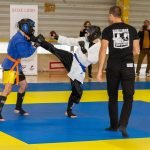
(62, 96)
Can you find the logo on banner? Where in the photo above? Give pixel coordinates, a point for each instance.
(121, 38)
(32, 67)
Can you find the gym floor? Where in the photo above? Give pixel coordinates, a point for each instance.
(48, 128)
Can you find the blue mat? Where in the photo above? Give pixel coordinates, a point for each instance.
(47, 123)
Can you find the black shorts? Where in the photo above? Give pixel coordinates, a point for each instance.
(21, 76)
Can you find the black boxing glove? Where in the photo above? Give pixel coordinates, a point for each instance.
(40, 38)
(37, 40)
(54, 35)
(33, 38)
(82, 46)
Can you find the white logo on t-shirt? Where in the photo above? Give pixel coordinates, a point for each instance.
(121, 38)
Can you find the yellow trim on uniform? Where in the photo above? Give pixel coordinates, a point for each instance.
(16, 63)
(9, 76)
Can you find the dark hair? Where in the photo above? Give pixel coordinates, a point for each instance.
(84, 24)
(146, 21)
(115, 11)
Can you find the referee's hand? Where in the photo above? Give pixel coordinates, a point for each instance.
(100, 76)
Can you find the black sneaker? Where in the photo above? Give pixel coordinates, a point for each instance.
(90, 76)
(1, 118)
(70, 114)
(21, 112)
(111, 129)
(123, 130)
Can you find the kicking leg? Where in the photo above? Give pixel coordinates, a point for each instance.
(65, 57)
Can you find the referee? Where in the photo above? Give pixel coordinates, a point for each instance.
(122, 41)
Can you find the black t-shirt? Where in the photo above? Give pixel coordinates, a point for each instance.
(120, 37)
(82, 33)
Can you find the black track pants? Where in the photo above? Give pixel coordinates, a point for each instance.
(65, 57)
(115, 76)
(76, 94)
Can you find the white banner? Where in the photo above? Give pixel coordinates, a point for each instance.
(18, 12)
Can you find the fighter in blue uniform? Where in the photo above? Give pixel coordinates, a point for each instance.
(19, 47)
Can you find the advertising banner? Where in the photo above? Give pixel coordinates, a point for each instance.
(18, 12)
